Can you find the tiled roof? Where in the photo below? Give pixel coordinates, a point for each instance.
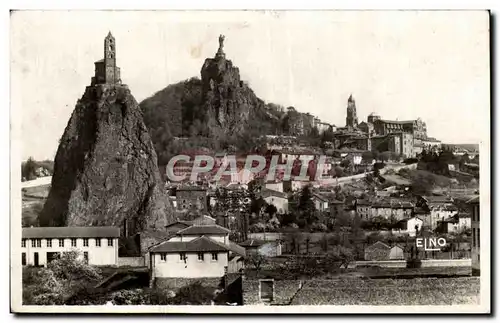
(71, 232)
(204, 229)
(253, 243)
(197, 245)
(362, 202)
(437, 199)
(378, 244)
(265, 192)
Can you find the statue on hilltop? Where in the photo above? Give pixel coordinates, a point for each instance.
(220, 51)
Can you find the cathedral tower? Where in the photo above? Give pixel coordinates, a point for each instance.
(351, 119)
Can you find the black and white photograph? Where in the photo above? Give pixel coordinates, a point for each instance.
(250, 161)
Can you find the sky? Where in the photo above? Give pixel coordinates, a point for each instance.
(399, 64)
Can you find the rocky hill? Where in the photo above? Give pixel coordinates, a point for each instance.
(105, 170)
(217, 111)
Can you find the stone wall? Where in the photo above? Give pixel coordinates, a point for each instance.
(131, 262)
(176, 283)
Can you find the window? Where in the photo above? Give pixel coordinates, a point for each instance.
(182, 256)
(97, 242)
(73, 242)
(201, 256)
(478, 238)
(23, 258)
(38, 243)
(85, 242)
(49, 243)
(163, 256)
(110, 242)
(33, 243)
(266, 290)
(61, 243)
(23, 243)
(214, 256)
(86, 257)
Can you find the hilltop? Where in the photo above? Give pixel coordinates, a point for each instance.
(218, 112)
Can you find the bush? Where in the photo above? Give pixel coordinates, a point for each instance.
(193, 294)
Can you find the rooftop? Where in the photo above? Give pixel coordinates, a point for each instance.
(204, 229)
(474, 200)
(265, 192)
(197, 245)
(71, 232)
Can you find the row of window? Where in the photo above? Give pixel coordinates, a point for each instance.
(24, 262)
(182, 256)
(37, 243)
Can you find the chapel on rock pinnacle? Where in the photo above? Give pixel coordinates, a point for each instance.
(106, 71)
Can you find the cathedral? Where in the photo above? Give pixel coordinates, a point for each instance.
(106, 71)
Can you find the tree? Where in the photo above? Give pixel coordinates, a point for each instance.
(271, 209)
(256, 260)
(306, 205)
(63, 277)
(28, 169)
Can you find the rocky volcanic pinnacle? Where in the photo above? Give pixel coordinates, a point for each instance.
(105, 170)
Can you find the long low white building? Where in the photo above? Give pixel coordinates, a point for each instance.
(99, 245)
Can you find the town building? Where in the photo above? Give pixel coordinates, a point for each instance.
(417, 128)
(363, 209)
(392, 209)
(400, 143)
(176, 226)
(274, 186)
(380, 251)
(410, 226)
(439, 208)
(276, 198)
(199, 251)
(455, 224)
(98, 245)
(476, 237)
(106, 71)
(320, 202)
(377, 251)
(262, 247)
(191, 197)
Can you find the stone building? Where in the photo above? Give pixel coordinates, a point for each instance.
(416, 127)
(106, 71)
(400, 143)
(188, 198)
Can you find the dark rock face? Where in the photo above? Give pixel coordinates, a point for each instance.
(227, 100)
(105, 170)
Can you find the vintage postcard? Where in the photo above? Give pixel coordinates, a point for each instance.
(250, 161)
